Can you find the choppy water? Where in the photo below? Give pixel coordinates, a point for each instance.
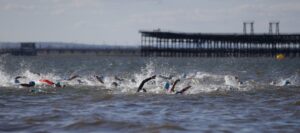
(217, 102)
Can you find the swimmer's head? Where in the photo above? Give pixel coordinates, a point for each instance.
(133, 80)
(32, 83)
(287, 82)
(60, 85)
(17, 81)
(167, 85)
(115, 84)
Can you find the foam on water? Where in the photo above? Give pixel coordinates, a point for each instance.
(293, 81)
(3, 75)
(200, 82)
(225, 96)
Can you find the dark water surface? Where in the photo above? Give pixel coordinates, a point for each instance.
(215, 103)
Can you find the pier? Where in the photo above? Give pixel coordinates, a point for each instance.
(175, 44)
(35, 49)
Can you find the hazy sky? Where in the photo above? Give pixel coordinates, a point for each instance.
(118, 21)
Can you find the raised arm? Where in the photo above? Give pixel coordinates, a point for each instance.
(173, 87)
(183, 90)
(143, 82)
(73, 77)
(17, 79)
(100, 79)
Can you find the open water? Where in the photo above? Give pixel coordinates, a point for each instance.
(242, 95)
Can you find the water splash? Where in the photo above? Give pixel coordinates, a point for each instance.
(200, 81)
(3, 75)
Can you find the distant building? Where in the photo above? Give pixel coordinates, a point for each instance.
(26, 49)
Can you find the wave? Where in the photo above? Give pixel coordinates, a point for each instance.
(200, 82)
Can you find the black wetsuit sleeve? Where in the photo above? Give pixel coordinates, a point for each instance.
(142, 84)
(73, 77)
(18, 77)
(183, 90)
(173, 87)
(26, 85)
(99, 79)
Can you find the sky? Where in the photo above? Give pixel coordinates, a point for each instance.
(119, 21)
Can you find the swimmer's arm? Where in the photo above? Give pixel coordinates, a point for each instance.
(26, 85)
(73, 77)
(173, 87)
(99, 79)
(143, 82)
(183, 90)
(18, 77)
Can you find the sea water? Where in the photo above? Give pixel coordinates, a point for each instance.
(227, 94)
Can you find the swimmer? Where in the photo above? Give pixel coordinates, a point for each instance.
(286, 83)
(173, 87)
(75, 77)
(167, 86)
(172, 90)
(143, 83)
(17, 81)
(119, 79)
(80, 81)
(51, 83)
(115, 84)
(238, 80)
(232, 80)
(59, 85)
(47, 82)
(30, 84)
(133, 80)
(99, 78)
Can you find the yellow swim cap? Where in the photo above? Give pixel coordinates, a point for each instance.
(280, 56)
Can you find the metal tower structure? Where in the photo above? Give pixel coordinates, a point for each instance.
(245, 24)
(271, 27)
